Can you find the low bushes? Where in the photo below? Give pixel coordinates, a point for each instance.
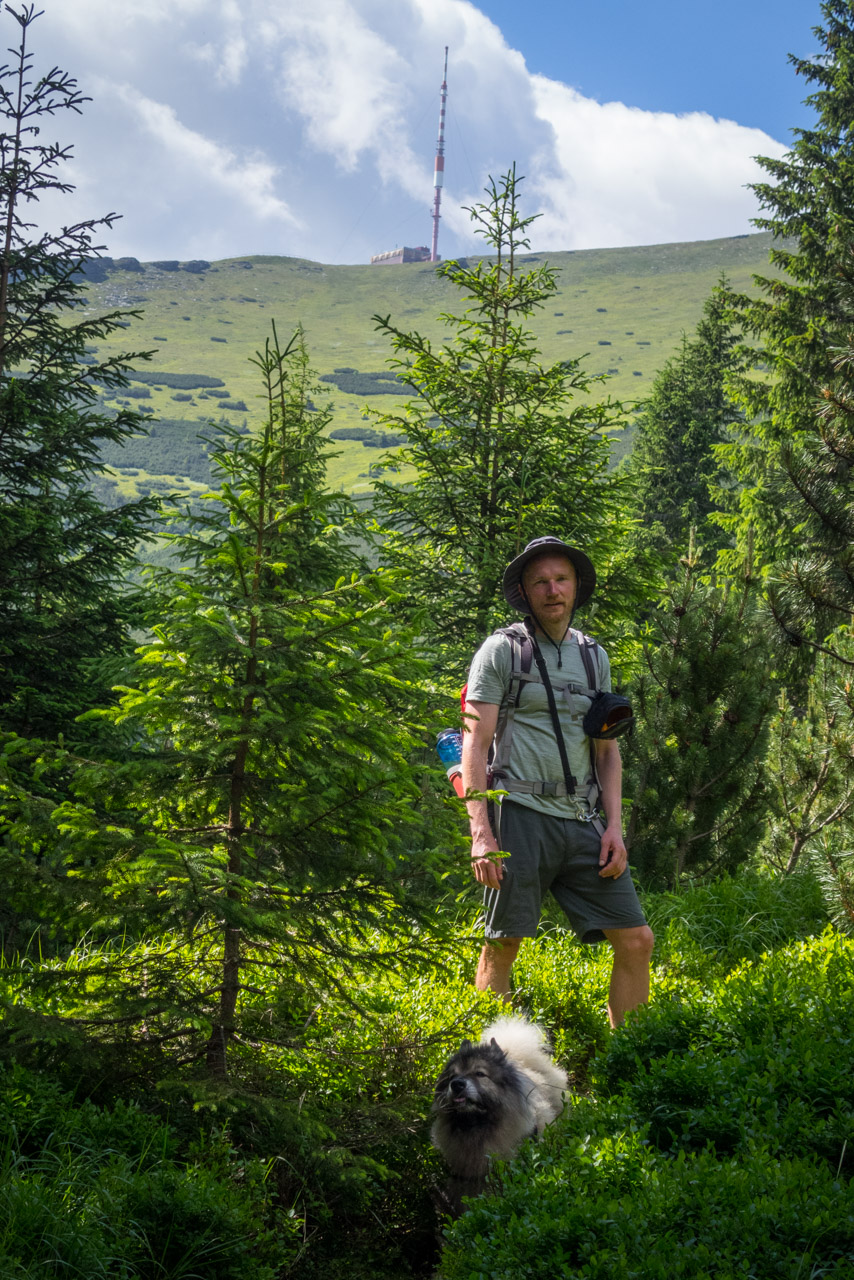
(355, 383)
(178, 381)
(102, 1193)
(370, 438)
(705, 1139)
(721, 1143)
(611, 1208)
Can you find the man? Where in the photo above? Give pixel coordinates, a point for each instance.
(554, 840)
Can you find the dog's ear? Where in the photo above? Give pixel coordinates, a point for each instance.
(466, 1046)
(496, 1048)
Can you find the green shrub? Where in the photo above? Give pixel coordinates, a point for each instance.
(175, 446)
(616, 1210)
(370, 438)
(720, 1146)
(101, 1192)
(178, 381)
(711, 1143)
(354, 383)
(712, 928)
(352, 433)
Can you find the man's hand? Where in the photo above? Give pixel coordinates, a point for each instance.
(612, 853)
(486, 867)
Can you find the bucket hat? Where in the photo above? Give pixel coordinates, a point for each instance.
(512, 583)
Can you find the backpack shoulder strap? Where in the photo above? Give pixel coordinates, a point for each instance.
(521, 657)
(590, 651)
(521, 662)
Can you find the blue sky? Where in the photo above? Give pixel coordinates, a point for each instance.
(228, 127)
(728, 58)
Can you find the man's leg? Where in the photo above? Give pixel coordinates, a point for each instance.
(630, 975)
(496, 961)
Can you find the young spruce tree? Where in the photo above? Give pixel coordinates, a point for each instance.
(260, 836)
(499, 457)
(703, 702)
(808, 204)
(811, 593)
(64, 617)
(673, 465)
(810, 767)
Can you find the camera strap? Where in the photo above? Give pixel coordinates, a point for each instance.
(569, 780)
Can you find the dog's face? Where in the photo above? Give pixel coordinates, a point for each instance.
(473, 1087)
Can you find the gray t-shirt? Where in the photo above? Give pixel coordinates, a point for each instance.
(534, 753)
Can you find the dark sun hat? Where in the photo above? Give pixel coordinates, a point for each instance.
(512, 583)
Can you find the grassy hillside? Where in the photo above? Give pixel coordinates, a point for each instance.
(625, 308)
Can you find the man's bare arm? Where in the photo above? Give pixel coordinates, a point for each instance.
(479, 725)
(609, 767)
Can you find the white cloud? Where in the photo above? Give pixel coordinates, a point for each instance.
(359, 74)
(615, 175)
(116, 32)
(346, 80)
(222, 102)
(229, 56)
(249, 181)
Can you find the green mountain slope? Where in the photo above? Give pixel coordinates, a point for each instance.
(625, 308)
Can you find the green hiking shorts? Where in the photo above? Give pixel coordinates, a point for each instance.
(561, 855)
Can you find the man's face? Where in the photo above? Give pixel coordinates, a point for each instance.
(550, 583)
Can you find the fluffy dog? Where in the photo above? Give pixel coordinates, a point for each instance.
(489, 1098)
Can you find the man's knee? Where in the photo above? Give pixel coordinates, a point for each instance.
(632, 946)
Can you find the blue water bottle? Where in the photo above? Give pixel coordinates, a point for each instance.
(449, 745)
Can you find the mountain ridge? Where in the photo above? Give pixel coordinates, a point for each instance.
(623, 309)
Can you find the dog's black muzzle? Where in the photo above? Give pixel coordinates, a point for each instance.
(463, 1093)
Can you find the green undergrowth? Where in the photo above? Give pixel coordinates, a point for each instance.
(734, 1088)
(103, 1192)
(716, 1140)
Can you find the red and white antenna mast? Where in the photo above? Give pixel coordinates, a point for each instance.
(439, 170)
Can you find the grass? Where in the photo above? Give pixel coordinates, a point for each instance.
(625, 308)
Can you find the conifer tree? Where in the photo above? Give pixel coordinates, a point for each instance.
(673, 465)
(260, 830)
(703, 702)
(812, 592)
(500, 455)
(835, 871)
(808, 204)
(63, 613)
(810, 767)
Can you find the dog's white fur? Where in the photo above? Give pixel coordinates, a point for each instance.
(527, 1048)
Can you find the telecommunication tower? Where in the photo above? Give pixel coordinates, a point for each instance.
(439, 169)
